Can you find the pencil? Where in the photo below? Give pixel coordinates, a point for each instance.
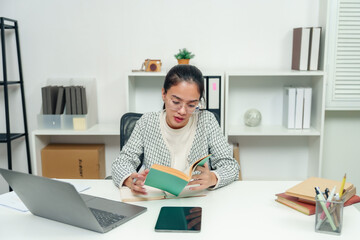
(342, 186)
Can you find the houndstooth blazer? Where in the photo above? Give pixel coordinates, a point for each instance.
(147, 138)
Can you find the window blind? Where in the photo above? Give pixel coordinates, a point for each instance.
(346, 85)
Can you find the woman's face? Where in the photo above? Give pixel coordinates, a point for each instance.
(180, 101)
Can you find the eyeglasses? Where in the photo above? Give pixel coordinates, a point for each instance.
(192, 107)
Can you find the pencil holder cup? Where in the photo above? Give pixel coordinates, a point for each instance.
(329, 216)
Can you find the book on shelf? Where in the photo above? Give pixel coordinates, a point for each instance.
(68, 110)
(300, 48)
(293, 202)
(307, 108)
(60, 101)
(44, 96)
(83, 101)
(213, 92)
(51, 98)
(315, 35)
(289, 107)
(306, 193)
(299, 108)
(78, 100)
(73, 100)
(170, 179)
(157, 194)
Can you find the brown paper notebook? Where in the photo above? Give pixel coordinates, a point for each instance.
(305, 190)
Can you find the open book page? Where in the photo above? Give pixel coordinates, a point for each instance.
(152, 194)
(186, 192)
(200, 162)
(157, 194)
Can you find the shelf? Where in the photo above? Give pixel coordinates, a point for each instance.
(13, 136)
(349, 109)
(144, 74)
(144, 91)
(271, 145)
(98, 129)
(9, 82)
(270, 131)
(274, 73)
(8, 26)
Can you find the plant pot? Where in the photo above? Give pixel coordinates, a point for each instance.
(183, 61)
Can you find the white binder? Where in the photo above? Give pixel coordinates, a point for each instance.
(213, 91)
(299, 109)
(289, 107)
(307, 107)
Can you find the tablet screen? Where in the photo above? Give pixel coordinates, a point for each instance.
(179, 219)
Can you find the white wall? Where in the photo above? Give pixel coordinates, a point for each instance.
(341, 146)
(105, 39)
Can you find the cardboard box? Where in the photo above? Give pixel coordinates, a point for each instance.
(77, 161)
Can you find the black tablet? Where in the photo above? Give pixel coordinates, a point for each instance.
(179, 219)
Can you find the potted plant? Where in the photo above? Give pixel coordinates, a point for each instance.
(184, 56)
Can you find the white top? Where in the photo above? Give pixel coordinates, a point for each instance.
(178, 141)
(241, 210)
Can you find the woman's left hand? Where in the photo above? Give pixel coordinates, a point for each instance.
(206, 178)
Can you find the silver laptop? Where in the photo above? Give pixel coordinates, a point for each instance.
(59, 201)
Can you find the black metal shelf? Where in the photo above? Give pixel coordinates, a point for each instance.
(13, 136)
(9, 82)
(11, 26)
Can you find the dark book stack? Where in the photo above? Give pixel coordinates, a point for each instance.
(306, 48)
(60, 99)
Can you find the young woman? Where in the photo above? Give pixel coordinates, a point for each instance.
(177, 136)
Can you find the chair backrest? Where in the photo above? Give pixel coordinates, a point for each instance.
(127, 124)
(216, 114)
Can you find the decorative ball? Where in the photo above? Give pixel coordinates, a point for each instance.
(252, 118)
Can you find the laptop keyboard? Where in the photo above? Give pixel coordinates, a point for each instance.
(104, 218)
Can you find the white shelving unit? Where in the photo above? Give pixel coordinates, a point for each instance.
(271, 151)
(109, 134)
(144, 92)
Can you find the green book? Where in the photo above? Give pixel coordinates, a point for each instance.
(169, 179)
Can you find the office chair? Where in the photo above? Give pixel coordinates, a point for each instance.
(127, 124)
(216, 114)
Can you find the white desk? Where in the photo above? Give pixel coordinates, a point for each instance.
(242, 210)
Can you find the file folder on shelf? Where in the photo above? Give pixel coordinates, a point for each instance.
(289, 107)
(299, 108)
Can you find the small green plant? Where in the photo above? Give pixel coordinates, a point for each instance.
(184, 54)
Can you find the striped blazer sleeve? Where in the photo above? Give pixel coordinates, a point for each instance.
(129, 158)
(222, 161)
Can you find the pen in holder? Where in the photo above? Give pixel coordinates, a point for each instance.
(333, 220)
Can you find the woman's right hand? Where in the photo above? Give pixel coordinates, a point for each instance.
(136, 182)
